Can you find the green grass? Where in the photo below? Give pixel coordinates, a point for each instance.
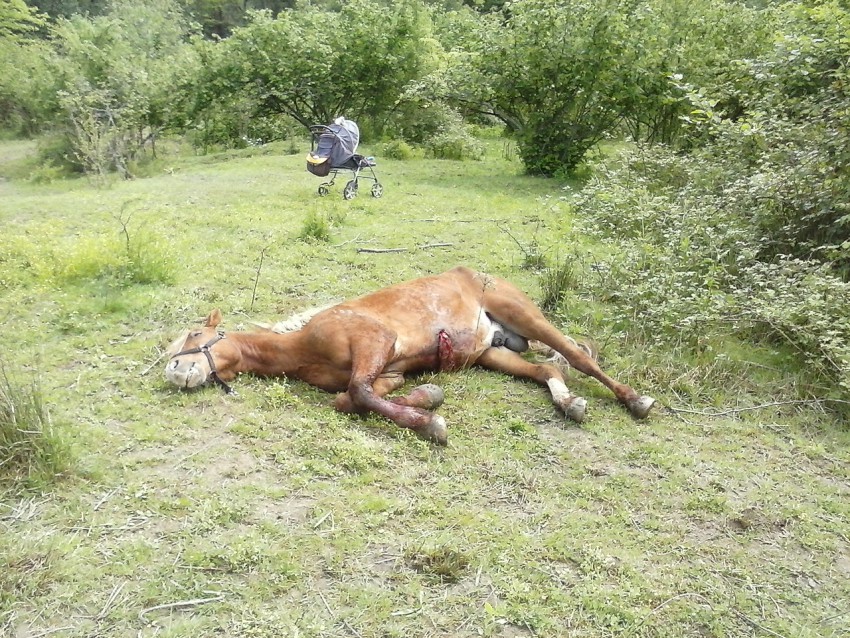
(268, 514)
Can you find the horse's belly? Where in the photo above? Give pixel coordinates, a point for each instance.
(443, 347)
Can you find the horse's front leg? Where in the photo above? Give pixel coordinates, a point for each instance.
(427, 396)
(369, 384)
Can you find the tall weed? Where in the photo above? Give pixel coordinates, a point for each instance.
(31, 450)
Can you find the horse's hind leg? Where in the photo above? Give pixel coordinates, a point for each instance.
(511, 307)
(504, 360)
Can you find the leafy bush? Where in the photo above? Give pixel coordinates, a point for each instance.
(58, 151)
(802, 304)
(135, 257)
(316, 228)
(455, 145)
(26, 87)
(119, 81)
(684, 267)
(745, 230)
(398, 149)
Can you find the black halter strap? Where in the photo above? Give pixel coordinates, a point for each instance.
(205, 349)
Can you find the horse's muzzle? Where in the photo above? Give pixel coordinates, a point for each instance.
(185, 373)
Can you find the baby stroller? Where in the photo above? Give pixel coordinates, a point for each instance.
(332, 150)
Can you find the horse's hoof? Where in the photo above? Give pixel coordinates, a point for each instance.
(432, 396)
(641, 406)
(576, 409)
(436, 431)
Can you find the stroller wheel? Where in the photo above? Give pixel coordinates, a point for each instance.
(350, 190)
(323, 190)
(377, 190)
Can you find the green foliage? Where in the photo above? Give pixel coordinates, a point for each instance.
(22, 261)
(689, 43)
(686, 268)
(314, 65)
(58, 151)
(143, 262)
(557, 73)
(398, 150)
(557, 281)
(455, 143)
(26, 86)
(18, 20)
(316, 228)
(116, 77)
(789, 147)
(564, 75)
(746, 232)
(133, 256)
(31, 450)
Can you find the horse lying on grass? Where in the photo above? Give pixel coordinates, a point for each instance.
(363, 348)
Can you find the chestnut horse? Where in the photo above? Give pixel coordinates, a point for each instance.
(363, 348)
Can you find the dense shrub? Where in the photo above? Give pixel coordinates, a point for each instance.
(745, 229)
(455, 144)
(398, 149)
(26, 87)
(685, 266)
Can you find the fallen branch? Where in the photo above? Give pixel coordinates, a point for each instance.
(382, 250)
(772, 404)
(440, 245)
(150, 367)
(180, 604)
(350, 241)
(115, 591)
(47, 632)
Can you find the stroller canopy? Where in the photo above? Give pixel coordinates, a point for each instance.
(339, 142)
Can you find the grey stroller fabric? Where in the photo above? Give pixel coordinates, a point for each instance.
(340, 143)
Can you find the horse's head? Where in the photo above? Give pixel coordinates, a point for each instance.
(203, 354)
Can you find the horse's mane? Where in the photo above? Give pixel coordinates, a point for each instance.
(295, 322)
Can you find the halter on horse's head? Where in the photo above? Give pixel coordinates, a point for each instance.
(173, 368)
(187, 370)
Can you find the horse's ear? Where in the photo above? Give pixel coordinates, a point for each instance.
(213, 319)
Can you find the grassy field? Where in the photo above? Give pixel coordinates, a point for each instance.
(268, 514)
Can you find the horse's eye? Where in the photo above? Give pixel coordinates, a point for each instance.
(195, 333)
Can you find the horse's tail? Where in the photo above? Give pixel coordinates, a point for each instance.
(550, 355)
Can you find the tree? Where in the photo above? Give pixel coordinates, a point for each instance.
(18, 20)
(564, 74)
(24, 83)
(117, 77)
(558, 73)
(314, 65)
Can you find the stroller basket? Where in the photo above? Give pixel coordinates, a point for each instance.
(332, 150)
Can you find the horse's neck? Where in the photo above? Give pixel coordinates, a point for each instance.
(269, 353)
